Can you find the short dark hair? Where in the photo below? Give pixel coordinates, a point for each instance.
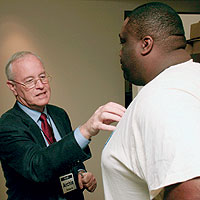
(157, 20)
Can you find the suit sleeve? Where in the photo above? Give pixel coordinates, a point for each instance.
(22, 150)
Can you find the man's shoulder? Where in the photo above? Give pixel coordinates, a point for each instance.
(12, 116)
(11, 111)
(58, 113)
(56, 110)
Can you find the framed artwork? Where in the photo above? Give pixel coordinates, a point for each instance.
(189, 19)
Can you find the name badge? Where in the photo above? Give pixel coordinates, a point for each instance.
(67, 183)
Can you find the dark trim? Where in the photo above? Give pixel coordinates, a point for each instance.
(188, 13)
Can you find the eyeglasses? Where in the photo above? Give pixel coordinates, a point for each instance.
(31, 83)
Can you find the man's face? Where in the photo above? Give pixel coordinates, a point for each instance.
(129, 55)
(24, 70)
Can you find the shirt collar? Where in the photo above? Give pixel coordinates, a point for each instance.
(35, 115)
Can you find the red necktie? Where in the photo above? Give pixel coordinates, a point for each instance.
(47, 130)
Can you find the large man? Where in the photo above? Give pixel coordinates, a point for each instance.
(40, 154)
(156, 143)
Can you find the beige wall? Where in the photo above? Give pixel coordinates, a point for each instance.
(78, 41)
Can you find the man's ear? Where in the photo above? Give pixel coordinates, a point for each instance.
(147, 45)
(12, 87)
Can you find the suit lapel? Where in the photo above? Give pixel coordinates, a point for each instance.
(34, 130)
(58, 121)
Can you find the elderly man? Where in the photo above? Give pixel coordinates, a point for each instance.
(42, 158)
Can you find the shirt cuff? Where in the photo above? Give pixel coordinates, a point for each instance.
(81, 140)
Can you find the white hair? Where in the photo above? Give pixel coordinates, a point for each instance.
(13, 58)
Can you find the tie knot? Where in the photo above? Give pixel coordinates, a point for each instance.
(43, 117)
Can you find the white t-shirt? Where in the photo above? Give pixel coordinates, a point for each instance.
(157, 142)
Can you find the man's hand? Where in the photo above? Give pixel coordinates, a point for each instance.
(87, 180)
(102, 118)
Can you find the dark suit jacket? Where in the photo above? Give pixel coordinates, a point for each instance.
(31, 169)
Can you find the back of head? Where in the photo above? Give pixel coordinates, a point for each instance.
(159, 21)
